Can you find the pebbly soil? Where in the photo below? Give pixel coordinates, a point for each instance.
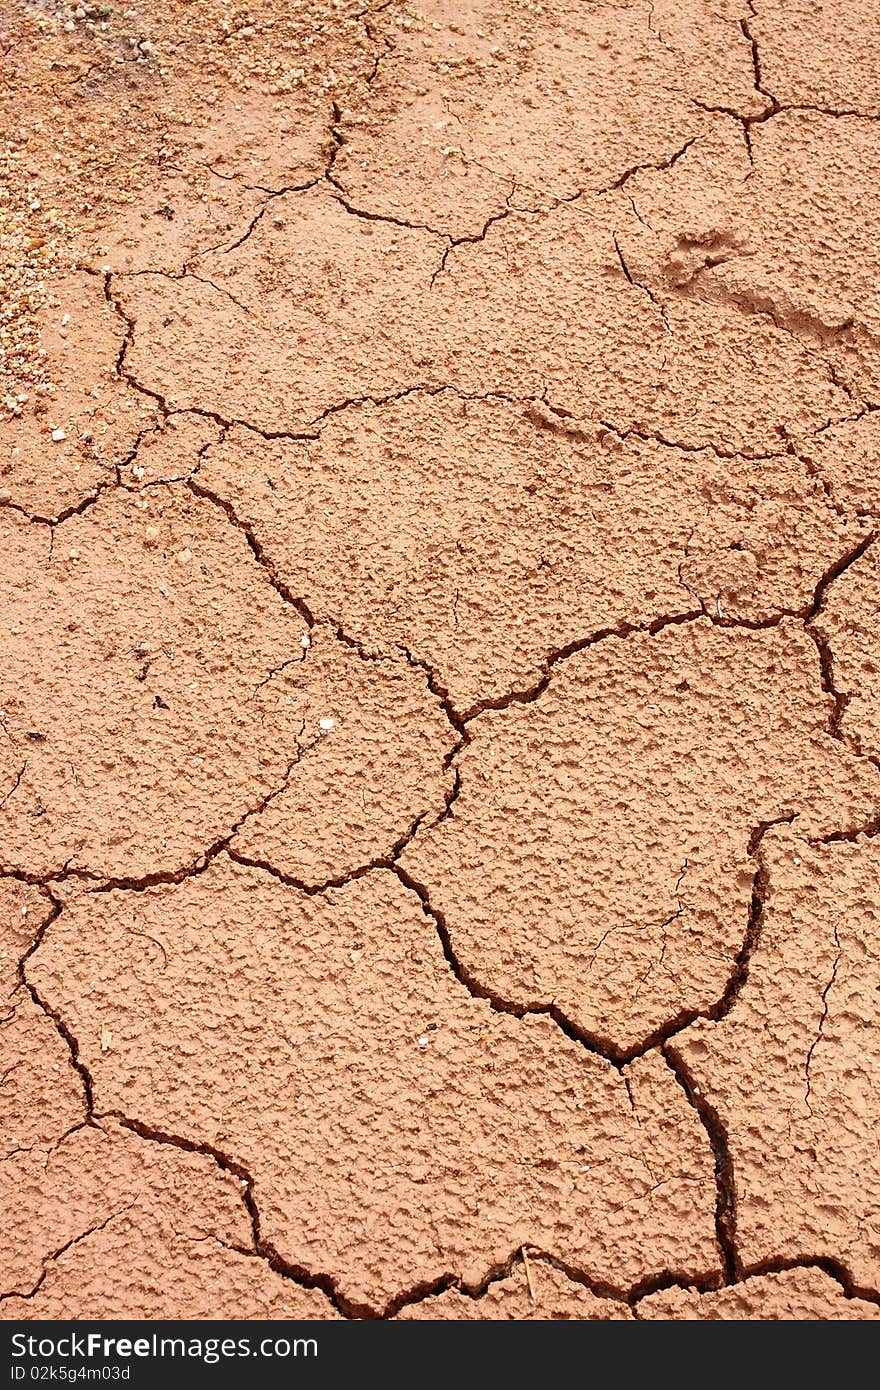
(440, 710)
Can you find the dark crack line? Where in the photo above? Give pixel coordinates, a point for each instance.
(821, 1029)
(308, 434)
(202, 861)
(167, 408)
(654, 437)
(106, 883)
(656, 166)
(384, 861)
(836, 1270)
(109, 484)
(252, 188)
(597, 1044)
(806, 614)
(474, 238)
(262, 1248)
(341, 197)
(726, 1199)
(725, 1216)
(600, 1046)
(62, 1249)
(528, 694)
(834, 571)
(823, 646)
(869, 830)
(604, 1048)
(259, 554)
(637, 284)
(70, 1042)
(716, 1131)
(504, 1269)
(840, 698)
(16, 784)
(772, 1265)
(420, 388)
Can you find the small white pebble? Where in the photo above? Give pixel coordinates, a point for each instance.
(183, 557)
(327, 724)
(424, 1040)
(305, 640)
(58, 436)
(73, 554)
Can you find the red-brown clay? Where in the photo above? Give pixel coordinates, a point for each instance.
(598, 855)
(847, 625)
(796, 1295)
(801, 1040)
(60, 453)
(102, 1230)
(42, 1096)
(439, 712)
(482, 536)
(324, 1045)
(179, 669)
(534, 1290)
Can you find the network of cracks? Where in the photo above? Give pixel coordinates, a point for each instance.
(440, 728)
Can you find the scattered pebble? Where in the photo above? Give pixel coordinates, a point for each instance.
(58, 436)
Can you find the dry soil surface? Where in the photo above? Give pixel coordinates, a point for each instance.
(440, 659)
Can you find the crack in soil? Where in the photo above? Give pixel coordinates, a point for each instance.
(262, 1248)
(604, 1046)
(840, 699)
(713, 1124)
(656, 165)
(716, 1131)
(821, 1029)
(662, 1039)
(256, 549)
(167, 406)
(62, 1249)
(109, 883)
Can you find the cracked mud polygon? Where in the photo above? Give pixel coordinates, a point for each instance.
(439, 694)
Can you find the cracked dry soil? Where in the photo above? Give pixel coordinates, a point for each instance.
(439, 695)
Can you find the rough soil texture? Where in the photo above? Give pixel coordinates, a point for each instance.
(439, 694)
